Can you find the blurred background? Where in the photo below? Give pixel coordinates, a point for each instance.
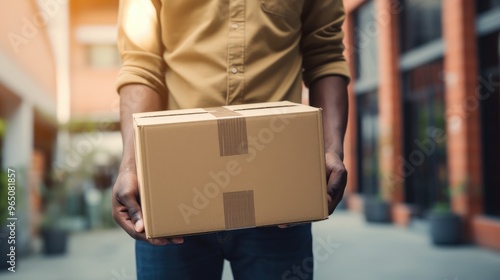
(422, 146)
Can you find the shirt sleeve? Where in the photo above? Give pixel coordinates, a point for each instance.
(140, 45)
(321, 41)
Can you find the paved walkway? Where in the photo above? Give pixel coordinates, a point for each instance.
(345, 247)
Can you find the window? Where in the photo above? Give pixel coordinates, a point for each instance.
(368, 171)
(425, 137)
(366, 46)
(103, 56)
(485, 5)
(489, 85)
(365, 31)
(420, 23)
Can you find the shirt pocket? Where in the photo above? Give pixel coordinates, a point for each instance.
(290, 9)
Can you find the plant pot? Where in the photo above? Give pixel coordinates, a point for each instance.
(377, 211)
(55, 241)
(445, 228)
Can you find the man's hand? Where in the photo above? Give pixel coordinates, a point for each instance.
(336, 179)
(126, 203)
(330, 94)
(127, 210)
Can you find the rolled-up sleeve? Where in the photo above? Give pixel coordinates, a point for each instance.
(321, 43)
(140, 45)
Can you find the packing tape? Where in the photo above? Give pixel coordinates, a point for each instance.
(239, 209)
(232, 129)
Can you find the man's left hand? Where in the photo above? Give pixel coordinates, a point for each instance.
(336, 179)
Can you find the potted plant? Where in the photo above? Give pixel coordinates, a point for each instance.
(444, 225)
(54, 232)
(61, 209)
(376, 208)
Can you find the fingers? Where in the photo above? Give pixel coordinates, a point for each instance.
(334, 200)
(337, 180)
(177, 240)
(130, 201)
(127, 211)
(336, 187)
(122, 217)
(287, 226)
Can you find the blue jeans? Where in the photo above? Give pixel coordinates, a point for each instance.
(254, 254)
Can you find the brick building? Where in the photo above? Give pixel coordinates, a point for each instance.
(58, 103)
(424, 109)
(28, 106)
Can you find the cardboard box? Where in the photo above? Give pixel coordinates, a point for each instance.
(231, 167)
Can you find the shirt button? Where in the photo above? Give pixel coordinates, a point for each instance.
(234, 70)
(235, 26)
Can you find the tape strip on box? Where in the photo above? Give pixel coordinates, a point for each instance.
(232, 128)
(239, 209)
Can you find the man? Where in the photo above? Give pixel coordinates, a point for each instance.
(185, 54)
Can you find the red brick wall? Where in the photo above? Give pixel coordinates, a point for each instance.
(461, 73)
(462, 115)
(390, 114)
(486, 232)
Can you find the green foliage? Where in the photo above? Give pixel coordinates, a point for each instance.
(3, 127)
(3, 196)
(443, 205)
(441, 208)
(55, 198)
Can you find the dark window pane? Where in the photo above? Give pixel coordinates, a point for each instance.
(367, 108)
(420, 22)
(489, 90)
(485, 5)
(365, 31)
(424, 137)
(489, 51)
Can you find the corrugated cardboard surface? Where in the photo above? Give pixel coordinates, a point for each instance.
(205, 170)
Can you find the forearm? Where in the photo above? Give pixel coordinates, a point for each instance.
(135, 98)
(330, 94)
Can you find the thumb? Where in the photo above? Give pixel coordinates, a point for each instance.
(134, 212)
(139, 225)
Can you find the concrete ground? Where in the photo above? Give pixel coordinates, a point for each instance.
(346, 248)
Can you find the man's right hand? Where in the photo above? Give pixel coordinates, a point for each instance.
(127, 210)
(126, 203)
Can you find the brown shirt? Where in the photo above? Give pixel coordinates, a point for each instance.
(206, 53)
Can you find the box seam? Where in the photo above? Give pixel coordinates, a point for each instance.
(145, 180)
(322, 161)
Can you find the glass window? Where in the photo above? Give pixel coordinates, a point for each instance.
(365, 36)
(425, 137)
(489, 86)
(103, 56)
(485, 5)
(368, 171)
(420, 22)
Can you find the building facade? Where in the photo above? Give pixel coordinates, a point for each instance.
(58, 106)
(28, 125)
(424, 109)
